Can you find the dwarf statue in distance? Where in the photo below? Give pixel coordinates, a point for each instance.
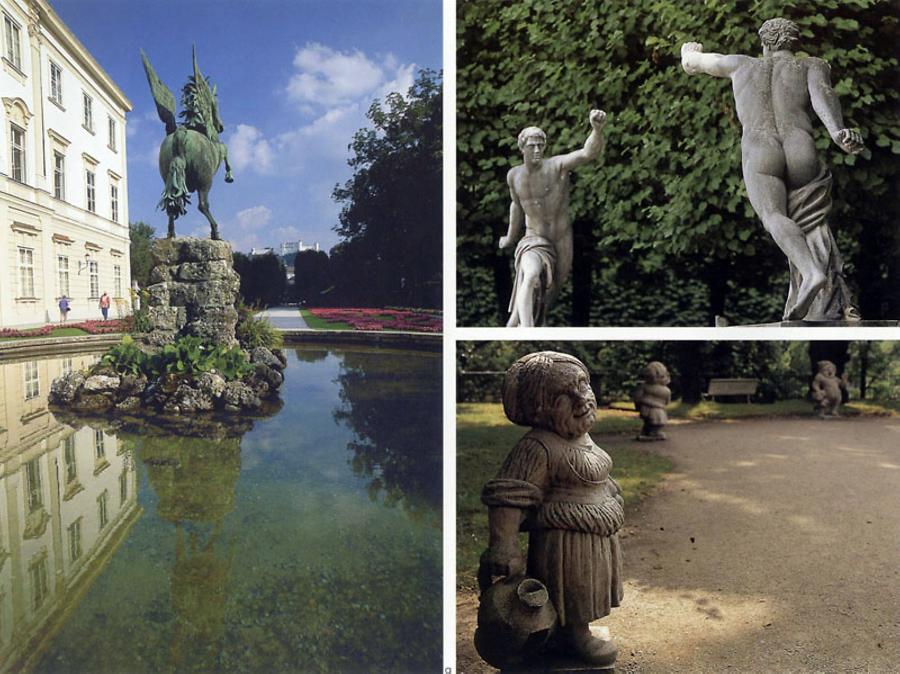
(828, 389)
(555, 484)
(650, 400)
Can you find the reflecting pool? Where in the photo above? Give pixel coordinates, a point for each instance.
(311, 542)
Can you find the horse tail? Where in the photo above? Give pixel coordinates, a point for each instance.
(175, 196)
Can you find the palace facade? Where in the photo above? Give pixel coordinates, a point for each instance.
(63, 181)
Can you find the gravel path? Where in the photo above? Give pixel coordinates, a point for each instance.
(774, 547)
(285, 318)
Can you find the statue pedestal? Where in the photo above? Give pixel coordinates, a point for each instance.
(193, 292)
(557, 663)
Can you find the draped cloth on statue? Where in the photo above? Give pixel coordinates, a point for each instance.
(809, 207)
(546, 253)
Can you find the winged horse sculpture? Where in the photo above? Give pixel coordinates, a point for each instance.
(191, 154)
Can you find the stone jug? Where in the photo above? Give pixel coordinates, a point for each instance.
(515, 621)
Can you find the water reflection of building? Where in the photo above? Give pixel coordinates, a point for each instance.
(67, 499)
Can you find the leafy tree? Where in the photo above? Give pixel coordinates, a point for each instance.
(263, 278)
(141, 235)
(312, 277)
(664, 230)
(390, 223)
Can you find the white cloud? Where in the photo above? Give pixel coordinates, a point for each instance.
(325, 138)
(254, 217)
(328, 77)
(248, 148)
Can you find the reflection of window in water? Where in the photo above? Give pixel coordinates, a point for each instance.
(101, 506)
(69, 454)
(33, 490)
(123, 486)
(75, 540)
(66, 366)
(32, 380)
(37, 571)
(99, 450)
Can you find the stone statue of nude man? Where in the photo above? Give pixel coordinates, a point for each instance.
(788, 185)
(539, 190)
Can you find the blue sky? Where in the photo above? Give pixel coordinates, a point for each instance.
(294, 78)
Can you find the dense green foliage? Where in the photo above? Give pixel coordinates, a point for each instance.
(263, 278)
(313, 278)
(664, 233)
(253, 330)
(391, 217)
(784, 369)
(188, 356)
(142, 236)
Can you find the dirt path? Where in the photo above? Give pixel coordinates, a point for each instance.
(775, 546)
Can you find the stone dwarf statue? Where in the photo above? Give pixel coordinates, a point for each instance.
(788, 184)
(556, 484)
(827, 389)
(650, 400)
(539, 190)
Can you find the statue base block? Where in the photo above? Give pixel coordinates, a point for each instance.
(560, 663)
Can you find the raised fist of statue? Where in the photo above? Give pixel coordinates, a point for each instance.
(849, 140)
(691, 47)
(597, 119)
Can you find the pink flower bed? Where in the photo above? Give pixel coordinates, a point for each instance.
(90, 327)
(382, 319)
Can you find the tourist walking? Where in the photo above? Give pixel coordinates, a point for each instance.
(104, 305)
(64, 308)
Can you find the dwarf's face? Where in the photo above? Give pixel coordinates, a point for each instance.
(828, 370)
(575, 407)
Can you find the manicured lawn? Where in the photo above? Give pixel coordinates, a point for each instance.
(56, 332)
(317, 323)
(483, 439)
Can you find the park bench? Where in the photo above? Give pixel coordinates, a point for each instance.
(731, 387)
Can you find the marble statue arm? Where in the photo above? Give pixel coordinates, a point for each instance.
(694, 61)
(593, 146)
(827, 106)
(516, 216)
(503, 557)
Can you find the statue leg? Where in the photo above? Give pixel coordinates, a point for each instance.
(223, 150)
(768, 196)
(528, 282)
(171, 234)
(204, 208)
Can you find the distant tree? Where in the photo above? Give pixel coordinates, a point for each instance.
(312, 276)
(390, 223)
(263, 278)
(141, 235)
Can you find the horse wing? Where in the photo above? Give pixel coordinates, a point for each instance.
(162, 96)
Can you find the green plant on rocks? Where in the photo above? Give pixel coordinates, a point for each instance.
(126, 357)
(254, 330)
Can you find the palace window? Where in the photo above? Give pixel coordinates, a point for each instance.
(69, 455)
(62, 267)
(112, 134)
(117, 280)
(75, 540)
(26, 272)
(13, 42)
(88, 117)
(99, 448)
(94, 272)
(103, 509)
(55, 83)
(114, 202)
(34, 491)
(123, 486)
(17, 152)
(40, 587)
(59, 175)
(89, 181)
(32, 380)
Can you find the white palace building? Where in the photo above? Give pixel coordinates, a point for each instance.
(63, 189)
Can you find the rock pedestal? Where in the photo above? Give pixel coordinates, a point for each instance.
(193, 292)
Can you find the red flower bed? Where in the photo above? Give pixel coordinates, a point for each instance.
(382, 319)
(90, 327)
